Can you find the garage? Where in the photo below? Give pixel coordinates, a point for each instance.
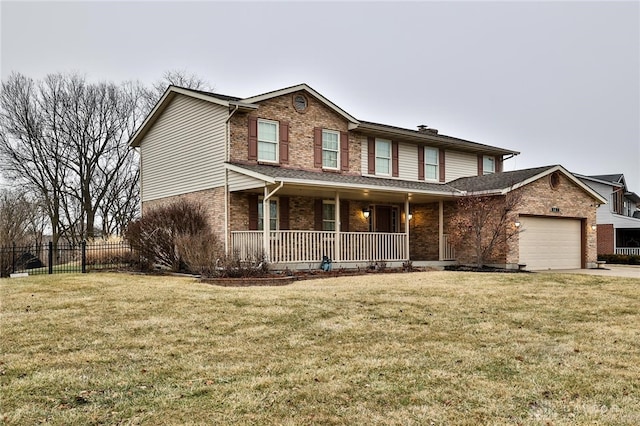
(550, 243)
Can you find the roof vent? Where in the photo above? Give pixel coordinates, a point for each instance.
(423, 128)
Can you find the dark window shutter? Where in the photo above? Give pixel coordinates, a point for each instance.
(344, 216)
(420, 162)
(344, 151)
(253, 138)
(284, 142)
(441, 165)
(394, 159)
(498, 160)
(317, 217)
(479, 164)
(371, 155)
(253, 212)
(317, 147)
(284, 213)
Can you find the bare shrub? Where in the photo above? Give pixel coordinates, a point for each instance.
(108, 251)
(156, 234)
(232, 266)
(201, 252)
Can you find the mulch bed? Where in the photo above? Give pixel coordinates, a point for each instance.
(483, 268)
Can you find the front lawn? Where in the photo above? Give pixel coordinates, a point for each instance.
(421, 348)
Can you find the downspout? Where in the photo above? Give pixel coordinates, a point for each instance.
(227, 150)
(266, 220)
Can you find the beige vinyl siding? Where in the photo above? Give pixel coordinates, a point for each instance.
(184, 150)
(240, 182)
(460, 164)
(408, 161)
(364, 154)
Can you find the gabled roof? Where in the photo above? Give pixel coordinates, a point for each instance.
(616, 178)
(172, 92)
(308, 89)
(501, 183)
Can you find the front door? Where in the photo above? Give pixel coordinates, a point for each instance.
(383, 219)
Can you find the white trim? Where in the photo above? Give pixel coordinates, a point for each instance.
(376, 156)
(276, 143)
(337, 151)
(437, 164)
(250, 173)
(297, 88)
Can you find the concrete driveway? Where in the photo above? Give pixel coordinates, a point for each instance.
(626, 271)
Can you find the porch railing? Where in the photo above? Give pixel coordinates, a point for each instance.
(311, 246)
(628, 250)
(448, 253)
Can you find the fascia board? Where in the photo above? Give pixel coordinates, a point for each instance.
(250, 173)
(362, 186)
(305, 87)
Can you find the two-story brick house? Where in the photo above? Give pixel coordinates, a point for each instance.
(291, 173)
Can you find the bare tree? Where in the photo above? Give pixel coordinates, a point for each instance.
(483, 224)
(66, 140)
(174, 77)
(20, 219)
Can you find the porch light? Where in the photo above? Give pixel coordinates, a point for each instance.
(366, 213)
(409, 216)
(517, 224)
(594, 227)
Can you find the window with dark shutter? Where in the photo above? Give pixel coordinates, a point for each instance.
(394, 159)
(480, 160)
(253, 139)
(284, 142)
(317, 147)
(344, 151)
(442, 165)
(420, 162)
(371, 155)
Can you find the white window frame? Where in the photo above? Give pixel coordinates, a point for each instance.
(492, 160)
(436, 165)
(272, 201)
(337, 150)
(379, 157)
(276, 143)
(333, 219)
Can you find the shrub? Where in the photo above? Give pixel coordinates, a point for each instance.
(156, 234)
(622, 259)
(200, 253)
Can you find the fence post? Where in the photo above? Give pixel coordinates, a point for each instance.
(84, 257)
(13, 258)
(50, 257)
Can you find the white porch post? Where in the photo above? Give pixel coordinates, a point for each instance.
(406, 226)
(440, 229)
(266, 224)
(336, 246)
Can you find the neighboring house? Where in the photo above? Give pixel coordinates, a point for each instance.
(618, 220)
(292, 174)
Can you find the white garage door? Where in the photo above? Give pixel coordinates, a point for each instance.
(550, 243)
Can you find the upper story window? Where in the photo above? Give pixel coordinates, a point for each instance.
(488, 165)
(267, 141)
(330, 149)
(328, 215)
(431, 171)
(273, 214)
(383, 157)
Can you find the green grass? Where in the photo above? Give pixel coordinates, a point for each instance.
(424, 348)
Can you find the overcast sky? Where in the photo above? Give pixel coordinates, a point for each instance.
(557, 81)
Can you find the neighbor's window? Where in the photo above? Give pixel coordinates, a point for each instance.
(330, 148)
(431, 163)
(488, 165)
(383, 157)
(267, 140)
(328, 216)
(273, 215)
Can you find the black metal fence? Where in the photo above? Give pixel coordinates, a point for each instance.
(48, 258)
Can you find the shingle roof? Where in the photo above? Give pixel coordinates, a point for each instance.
(608, 178)
(496, 181)
(212, 94)
(281, 173)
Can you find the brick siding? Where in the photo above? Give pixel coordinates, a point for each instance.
(606, 240)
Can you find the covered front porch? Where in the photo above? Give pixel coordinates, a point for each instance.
(296, 221)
